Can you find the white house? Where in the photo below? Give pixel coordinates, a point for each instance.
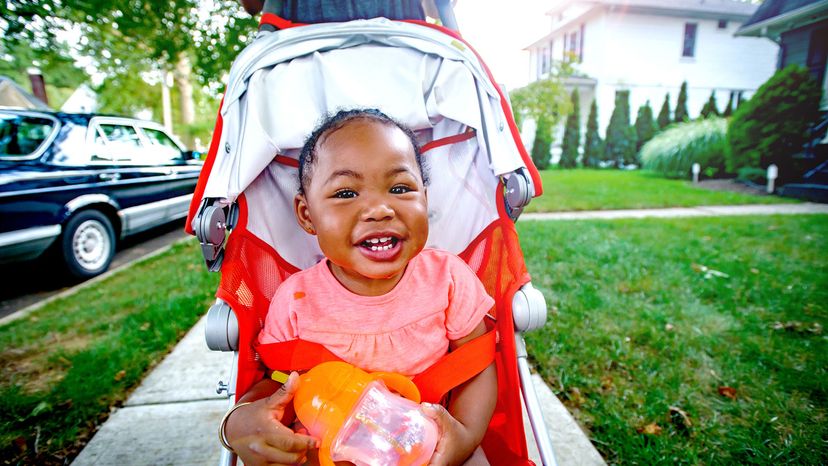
(650, 47)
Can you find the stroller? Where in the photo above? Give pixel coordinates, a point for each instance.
(426, 77)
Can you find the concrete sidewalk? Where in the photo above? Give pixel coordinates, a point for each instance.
(173, 416)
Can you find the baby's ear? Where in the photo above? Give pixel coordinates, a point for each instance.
(300, 208)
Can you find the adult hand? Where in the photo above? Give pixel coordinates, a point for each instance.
(258, 436)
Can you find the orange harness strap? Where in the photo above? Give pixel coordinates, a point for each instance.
(456, 367)
(448, 372)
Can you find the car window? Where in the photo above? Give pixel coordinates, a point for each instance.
(162, 148)
(22, 135)
(116, 143)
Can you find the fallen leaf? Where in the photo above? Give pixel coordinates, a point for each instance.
(650, 429)
(606, 383)
(728, 392)
(144, 327)
(20, 444)
(669, 327)
(707, 271)
(679, 418)
(576, 397)
(754, 270)
(120, 375)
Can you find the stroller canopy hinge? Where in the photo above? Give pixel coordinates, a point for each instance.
(210, 225)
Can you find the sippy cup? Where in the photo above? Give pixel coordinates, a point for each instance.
(359, 420)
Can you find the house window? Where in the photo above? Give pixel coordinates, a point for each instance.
(689, 48)
(722, 24)
(572, 46)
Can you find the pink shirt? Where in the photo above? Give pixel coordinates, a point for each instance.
(438, 299)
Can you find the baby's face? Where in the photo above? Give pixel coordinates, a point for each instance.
(367, 205)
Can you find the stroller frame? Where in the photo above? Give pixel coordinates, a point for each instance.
(211, 217)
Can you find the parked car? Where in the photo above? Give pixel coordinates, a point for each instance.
(76, 183)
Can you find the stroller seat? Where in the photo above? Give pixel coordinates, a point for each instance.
(280, 87)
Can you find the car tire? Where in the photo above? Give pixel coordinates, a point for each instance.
(88, 244)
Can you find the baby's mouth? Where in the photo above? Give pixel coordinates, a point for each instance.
(384, 243)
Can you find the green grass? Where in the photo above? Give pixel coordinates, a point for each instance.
(67, 364)
(586, 189)
(640, 327)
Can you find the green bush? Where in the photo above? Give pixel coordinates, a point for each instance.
(674, 151)
(772, 126)
(593, 145)
(542, 145)
(619, 146)
(572, 134)
(754, 175)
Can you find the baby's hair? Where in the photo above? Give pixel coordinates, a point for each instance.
(333, 123)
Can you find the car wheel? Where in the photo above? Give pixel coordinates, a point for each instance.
(88, 244)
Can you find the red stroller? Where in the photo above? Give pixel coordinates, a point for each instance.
(428, 78)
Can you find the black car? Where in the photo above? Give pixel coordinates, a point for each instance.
(74, 183)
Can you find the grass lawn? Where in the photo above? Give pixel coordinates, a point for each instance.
(65, 365)
(664, 360)
(585, 189)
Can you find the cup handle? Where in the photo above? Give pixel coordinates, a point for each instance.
(400, 384)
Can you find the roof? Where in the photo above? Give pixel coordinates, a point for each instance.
(776, 16)
(731, 10)
(12, 95)
(717, 8)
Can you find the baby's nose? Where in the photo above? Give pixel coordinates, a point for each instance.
(377, 210)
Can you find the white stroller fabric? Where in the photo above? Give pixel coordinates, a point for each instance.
(285, 82)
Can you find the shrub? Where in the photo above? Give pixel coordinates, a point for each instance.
(645, 127)
(754, 175)
(619, 146)
(572, 134)
(674, 151)
(710, 108)
(543, 144)
(681, 114)
(772, 126)
(664, 114)
(593, 145)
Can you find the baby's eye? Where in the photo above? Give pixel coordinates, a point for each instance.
(345, 194)
(400, 189)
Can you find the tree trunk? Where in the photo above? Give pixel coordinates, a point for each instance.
(183, 80)
(166, 108)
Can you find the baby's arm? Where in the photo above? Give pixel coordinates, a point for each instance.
(470, 409)
(256, 431)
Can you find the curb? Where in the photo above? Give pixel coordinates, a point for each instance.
(21, 313)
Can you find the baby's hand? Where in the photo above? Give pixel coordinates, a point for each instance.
(258, 435)
(453, 446)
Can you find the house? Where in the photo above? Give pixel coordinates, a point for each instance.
(12, 95)
(650, 47)
(800, 27)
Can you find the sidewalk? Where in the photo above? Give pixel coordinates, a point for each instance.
(173, 416)
(676, 212)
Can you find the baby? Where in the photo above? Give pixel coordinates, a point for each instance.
(379, 300)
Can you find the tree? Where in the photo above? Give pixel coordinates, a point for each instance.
(664, 113)
(710, 109)
(772, 126)
(572, 134)
(728, 111)
(681, 114)
(593, 146)
(645, 127)
(544, 101)
(621, 138)
(186, 38)
(542, 146)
